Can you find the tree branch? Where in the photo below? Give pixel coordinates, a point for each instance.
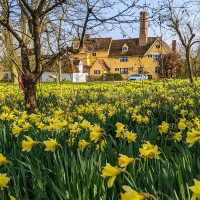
(52, 7)
(27, 7)
(10, 29)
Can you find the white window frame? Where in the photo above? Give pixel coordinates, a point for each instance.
(94, 54)
(123, 59)
(124, 49)
(124, 70)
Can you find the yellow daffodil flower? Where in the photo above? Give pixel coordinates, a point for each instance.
(16, 130)
(163, 128)
(196, 190)
(124, 160)
(193, 136)
(28, 144)
(12, 197)
(149, 151)
(3, 160)
(4, 180)
(131, 194)
(181, 126)
(178, 136)
(82, 144)
(51, 145)
(112, 172)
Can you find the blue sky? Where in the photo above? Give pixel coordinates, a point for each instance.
(132, 32)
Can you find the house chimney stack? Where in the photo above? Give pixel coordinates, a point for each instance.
(174, 46)
(143, 28)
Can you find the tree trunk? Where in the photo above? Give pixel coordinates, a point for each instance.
(30, 95)
(29, 81)
(188, 64)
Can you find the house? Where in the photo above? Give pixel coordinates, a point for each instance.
(72, 70)
(124, 56)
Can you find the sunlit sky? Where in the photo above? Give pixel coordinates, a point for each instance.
(133, 32)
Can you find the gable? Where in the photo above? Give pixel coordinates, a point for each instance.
(164, 48)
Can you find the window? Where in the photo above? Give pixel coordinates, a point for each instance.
(96, 71)
(131, 69)
(123, 59)
(94, 54)
(156, 58)
(156, 70)
(76, 46)
(140, 70)
(124, 49)
(123, 70)
(157, 46)
(116, 69)
(140, 56)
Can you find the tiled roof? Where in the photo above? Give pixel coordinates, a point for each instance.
(133, 47)
(103, 64)
(166, 46)
(97, 44)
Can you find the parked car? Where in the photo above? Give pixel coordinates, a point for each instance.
(137, 77)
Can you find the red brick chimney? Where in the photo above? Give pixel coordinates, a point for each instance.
(174, 46)
(143, 28)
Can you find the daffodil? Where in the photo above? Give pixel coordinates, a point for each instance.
(16, 130)
(181, 126)
(112, 172)
(82, 144)
(124, 160)
(28, 144)
(196, 190)
(163, 128)
(131, 194)
(193, 136)
(51, 145)
(102, 145)
(130, 136)
(4, 180)
(178, 136)
(149, 151)
(3, 160)
(12, 197)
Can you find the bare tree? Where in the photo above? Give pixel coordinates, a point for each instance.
(182, 20)
(81, 16)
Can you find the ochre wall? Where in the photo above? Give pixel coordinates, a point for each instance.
(133, 62)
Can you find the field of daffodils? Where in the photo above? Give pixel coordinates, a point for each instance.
(101, 141)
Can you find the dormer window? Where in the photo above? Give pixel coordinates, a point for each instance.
(75, 45)
(124, 49)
